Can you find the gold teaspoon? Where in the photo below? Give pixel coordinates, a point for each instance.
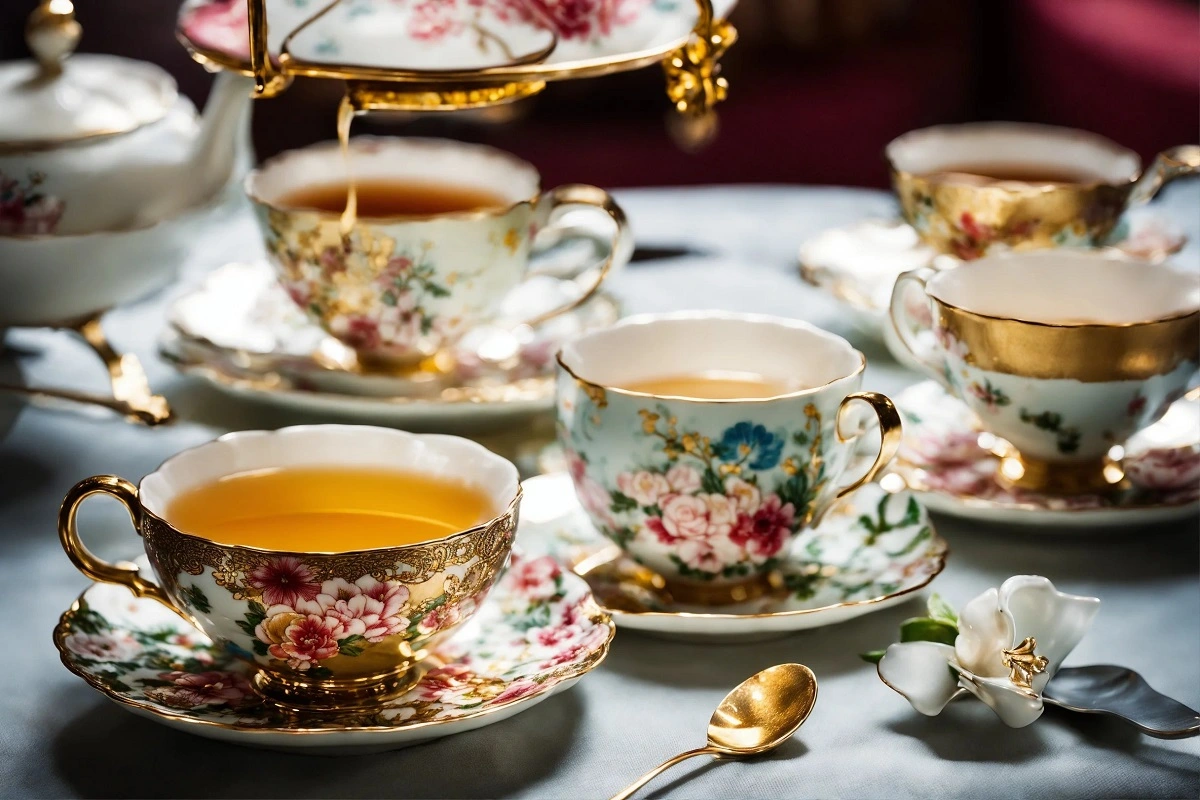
(760, 714)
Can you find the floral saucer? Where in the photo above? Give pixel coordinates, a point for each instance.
(948, 460)
(538, 633)
(857, 264)
(242, 333)
(446, 35)
(872, 551)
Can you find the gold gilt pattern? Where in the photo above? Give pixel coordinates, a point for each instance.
(1024, 663)
(175, 554)
(1088, 353)
(965, 220)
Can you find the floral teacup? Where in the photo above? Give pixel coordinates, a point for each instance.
(1063, 354)
(968, 189)
(400, 289)
(324, 629)
(709, 493)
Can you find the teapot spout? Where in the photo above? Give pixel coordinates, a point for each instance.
(1172, 163)
(215, 151)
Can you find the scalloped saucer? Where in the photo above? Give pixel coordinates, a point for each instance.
(947, 460)
(440, 35)
(241, 332)
(538, 633)
(857, 264)
(872, 551)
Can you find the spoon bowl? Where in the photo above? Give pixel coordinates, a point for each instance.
(761, 713)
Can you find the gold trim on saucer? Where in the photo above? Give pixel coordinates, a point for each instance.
(592, 609)
(654, 584)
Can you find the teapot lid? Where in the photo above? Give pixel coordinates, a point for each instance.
(55, 99)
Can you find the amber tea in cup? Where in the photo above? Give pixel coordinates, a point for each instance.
(393, 198)
(324, 509)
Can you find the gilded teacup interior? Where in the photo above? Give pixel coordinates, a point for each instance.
(708, 491)
(324, 626)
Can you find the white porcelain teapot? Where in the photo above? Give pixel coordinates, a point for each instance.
(92, 143)
(105, 172)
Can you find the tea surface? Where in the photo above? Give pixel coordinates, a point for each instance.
(314, 509)
(1026, 173)
(713, 385)
(392, 198)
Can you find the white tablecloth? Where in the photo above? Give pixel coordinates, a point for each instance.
(650, 699)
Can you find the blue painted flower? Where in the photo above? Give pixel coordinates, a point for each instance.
(746, 438)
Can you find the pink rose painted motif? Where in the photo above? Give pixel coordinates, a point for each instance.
(941, 452)
(718, 507)
(24, 209)
(525, 642)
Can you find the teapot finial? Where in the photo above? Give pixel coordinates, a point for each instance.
(52, 34)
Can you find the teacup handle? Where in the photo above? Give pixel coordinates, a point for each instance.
(924, 355)
(1172, 163)
(620, 247)
(127, 575)
(890, 434)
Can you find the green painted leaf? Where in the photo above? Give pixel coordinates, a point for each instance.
(912, 514)
(926, 629)
(941, 610)
(194, 597)
(352, 645)
(872, 657)
(622, 502)
(246, 627)
(925, 533)
(711, 483)
(260, 648)
(320, 673)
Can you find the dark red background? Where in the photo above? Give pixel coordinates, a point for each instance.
(818, 86)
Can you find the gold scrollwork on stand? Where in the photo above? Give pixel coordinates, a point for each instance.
(694, 85)
(694, 82)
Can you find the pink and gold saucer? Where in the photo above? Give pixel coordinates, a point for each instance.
(539, 632)
(948, 460)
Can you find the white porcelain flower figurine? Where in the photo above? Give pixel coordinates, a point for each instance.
(1009, 643)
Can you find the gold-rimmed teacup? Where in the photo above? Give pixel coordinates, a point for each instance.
(324, 629)
(969, 189)
(708, 493)
(400, 289)
(1062, 354)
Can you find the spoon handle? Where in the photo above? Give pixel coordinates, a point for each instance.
(628, 791)
(1122, 693)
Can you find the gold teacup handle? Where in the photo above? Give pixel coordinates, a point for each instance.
(924, 356)
(127, 575)
(1175, 162)
(890, 434)
(620, 247)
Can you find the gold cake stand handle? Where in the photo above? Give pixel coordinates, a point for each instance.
(694, 82)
